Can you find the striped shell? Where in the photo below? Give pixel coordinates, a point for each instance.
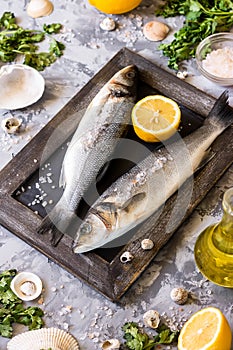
(44, 338)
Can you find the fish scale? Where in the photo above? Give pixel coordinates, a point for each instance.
(144, 189)
(105, 120)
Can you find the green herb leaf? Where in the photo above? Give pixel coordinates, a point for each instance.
(202, 18)
(53, 28)
(8, 21)
(166, 335)
(56, 47)
(6, 330)
(12, 309)
(39, 60)
(15, 40)
(139, 340)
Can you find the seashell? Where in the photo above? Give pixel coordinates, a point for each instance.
(179, 295)
(39, 8)
(111, 344)
(155, 30)
(126, 257)
(44, 338)
(26, 285)
(182, 74)
(23, 86)
(147, 244)
(151, 319)
(11, 125)
(108, 24)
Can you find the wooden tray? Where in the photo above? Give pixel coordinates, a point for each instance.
(102, 268)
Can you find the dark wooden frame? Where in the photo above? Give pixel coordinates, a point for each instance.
(113, 278)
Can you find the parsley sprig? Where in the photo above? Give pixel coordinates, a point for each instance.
(12, 309)
(15, 40)
(202, 18)
(139, 340)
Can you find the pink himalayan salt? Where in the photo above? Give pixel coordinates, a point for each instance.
(220, 62)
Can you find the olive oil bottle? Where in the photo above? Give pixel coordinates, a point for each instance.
(214, 247)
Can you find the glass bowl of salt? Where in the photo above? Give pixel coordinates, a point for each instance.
(214, 58)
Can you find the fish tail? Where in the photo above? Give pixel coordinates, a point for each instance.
(56, 222)
(221, 115)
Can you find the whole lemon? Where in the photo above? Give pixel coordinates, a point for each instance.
(115, 7)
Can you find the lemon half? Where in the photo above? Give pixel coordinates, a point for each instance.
(156, 118)
(207, 329)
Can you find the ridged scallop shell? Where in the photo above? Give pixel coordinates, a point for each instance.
(44, 338)
(23, 86)
(39, 8)
(23, 277)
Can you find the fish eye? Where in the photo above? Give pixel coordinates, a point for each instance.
(85, 229)
(130, 75)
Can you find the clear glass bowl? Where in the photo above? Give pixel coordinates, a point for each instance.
(208, 45)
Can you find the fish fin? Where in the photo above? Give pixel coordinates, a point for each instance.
(133, 200)
(62, 181)
(48, 226)
(102, 171)
(107, 213)
(56, 222)
(56, 237)
(208, 156)
(45, 226)
(221, 115)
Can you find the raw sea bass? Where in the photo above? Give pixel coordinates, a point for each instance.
(134, 196)
(104, 122)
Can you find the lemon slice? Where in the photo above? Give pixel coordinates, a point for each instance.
(155, 118)
(207, 329)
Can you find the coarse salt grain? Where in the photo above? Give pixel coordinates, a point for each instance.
(28, 288)
(220, 62)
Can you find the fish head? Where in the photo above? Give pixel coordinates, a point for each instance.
(124, 82)
(91, 231)
(107, 220)
(126, 76)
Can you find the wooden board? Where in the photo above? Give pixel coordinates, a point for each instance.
(102, 269)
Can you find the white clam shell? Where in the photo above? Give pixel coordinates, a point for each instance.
(18, 285)
(111, 344)
(23, 86)
(39, 8)
(155, 30)
(44, 338)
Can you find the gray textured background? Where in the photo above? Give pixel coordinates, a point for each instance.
(92, 317)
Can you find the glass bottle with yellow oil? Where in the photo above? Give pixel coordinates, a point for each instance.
(214, 247)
